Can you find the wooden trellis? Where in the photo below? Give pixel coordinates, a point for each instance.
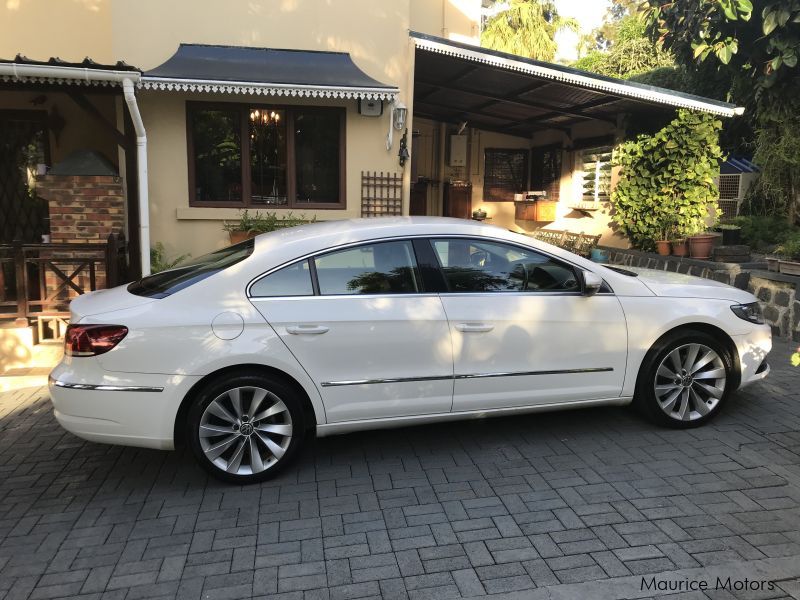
(381, 194)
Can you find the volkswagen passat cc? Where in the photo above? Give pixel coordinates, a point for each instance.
(347, 325)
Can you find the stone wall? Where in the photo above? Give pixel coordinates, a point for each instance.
(777, 293)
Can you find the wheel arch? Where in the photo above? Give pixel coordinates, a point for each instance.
(713, 331)
(183, 410)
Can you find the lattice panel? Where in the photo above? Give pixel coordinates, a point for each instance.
(381, 194)
(729, 209)
(729, 187)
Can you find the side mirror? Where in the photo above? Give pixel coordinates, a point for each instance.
(591, 283)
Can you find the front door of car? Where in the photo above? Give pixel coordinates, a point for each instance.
(523, 333)
(360, 323)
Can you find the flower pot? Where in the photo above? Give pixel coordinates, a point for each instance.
(700, 245)
(663, 247)
(240, 236)
(773, 264)
(789, 267)
(731, 237)
(680, 248)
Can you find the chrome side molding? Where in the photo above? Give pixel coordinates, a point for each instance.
(465, 376)
(103, 388)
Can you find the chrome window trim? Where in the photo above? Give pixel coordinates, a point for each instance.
(400, 238)
(102, 387)
(465, 376)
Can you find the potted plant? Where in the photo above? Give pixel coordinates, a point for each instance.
(679, 247)
(790, 249)
(701, 244)
(249, 226)
(246, 227)
(731, 234)
(663, 245)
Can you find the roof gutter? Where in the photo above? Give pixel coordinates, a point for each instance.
(127, 80)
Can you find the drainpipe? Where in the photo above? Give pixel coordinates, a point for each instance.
(141, 175)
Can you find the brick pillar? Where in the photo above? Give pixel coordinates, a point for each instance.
(84, 209)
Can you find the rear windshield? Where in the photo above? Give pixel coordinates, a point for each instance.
(161, 285)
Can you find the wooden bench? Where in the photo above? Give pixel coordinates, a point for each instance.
(579, 243)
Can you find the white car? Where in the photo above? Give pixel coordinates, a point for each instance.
(347, 325)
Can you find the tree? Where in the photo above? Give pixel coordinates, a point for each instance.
(757, 50)
(631, 53)
(527, 28)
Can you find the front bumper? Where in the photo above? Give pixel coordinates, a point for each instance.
(753, 349)
(131, 409)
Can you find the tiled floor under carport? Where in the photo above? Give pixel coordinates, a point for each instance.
(531, 507)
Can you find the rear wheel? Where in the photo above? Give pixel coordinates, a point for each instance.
(685, 379)
(245, 428)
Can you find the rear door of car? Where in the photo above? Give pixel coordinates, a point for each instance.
(361, 323)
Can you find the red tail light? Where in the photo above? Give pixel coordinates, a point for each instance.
(91, 340)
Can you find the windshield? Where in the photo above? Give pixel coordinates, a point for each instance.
(161, 285)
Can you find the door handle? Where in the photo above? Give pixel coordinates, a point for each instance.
(474, 327)
(306, 329)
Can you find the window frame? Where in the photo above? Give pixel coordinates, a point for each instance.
(526, 174)
(427, 280)
(576, 269)
(244, 108)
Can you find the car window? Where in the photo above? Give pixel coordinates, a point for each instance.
(380, 268)
(165, 283)
(479, 266)
(294, 280)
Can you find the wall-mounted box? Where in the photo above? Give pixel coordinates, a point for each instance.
(458, 151)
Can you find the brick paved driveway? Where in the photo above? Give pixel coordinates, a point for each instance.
(530, 506)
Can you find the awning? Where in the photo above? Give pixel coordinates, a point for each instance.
(265, 71)
(507, 93)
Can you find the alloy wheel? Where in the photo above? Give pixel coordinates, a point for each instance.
(690, 382)
(245, 430)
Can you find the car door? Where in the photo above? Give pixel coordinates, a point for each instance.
(359, 321)
(522, 331)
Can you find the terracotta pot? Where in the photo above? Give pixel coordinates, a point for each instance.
(663, 247)
(700, 245)
(789, 267)
(240, 236)
(680, 248)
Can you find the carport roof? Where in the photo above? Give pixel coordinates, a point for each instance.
(515, 95)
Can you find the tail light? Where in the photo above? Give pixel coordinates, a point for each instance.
(91, 340)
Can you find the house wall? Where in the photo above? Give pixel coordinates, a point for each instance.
(145, 33)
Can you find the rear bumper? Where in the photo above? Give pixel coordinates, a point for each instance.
(753, 349)
(131, 409)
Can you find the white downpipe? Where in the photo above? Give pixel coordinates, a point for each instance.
(141, 174)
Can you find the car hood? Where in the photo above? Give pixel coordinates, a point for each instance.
(103, 301)
(679, 285)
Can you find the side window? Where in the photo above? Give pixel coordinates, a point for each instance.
(382, 268)
(481, 266)
(294, 280)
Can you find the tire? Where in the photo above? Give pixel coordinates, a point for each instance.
(230, 443)
(690, 393)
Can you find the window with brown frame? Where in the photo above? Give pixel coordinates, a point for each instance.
(245, 155)
(505, 173)
(546, 171)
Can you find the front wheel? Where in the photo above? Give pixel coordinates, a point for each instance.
(685, 380)
(245, 428)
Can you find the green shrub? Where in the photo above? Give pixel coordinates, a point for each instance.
(761, 232)
(666, 183)
(790, 247)
(262, 223)
(159, 261)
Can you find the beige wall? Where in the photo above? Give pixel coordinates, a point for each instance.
(69, 29)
